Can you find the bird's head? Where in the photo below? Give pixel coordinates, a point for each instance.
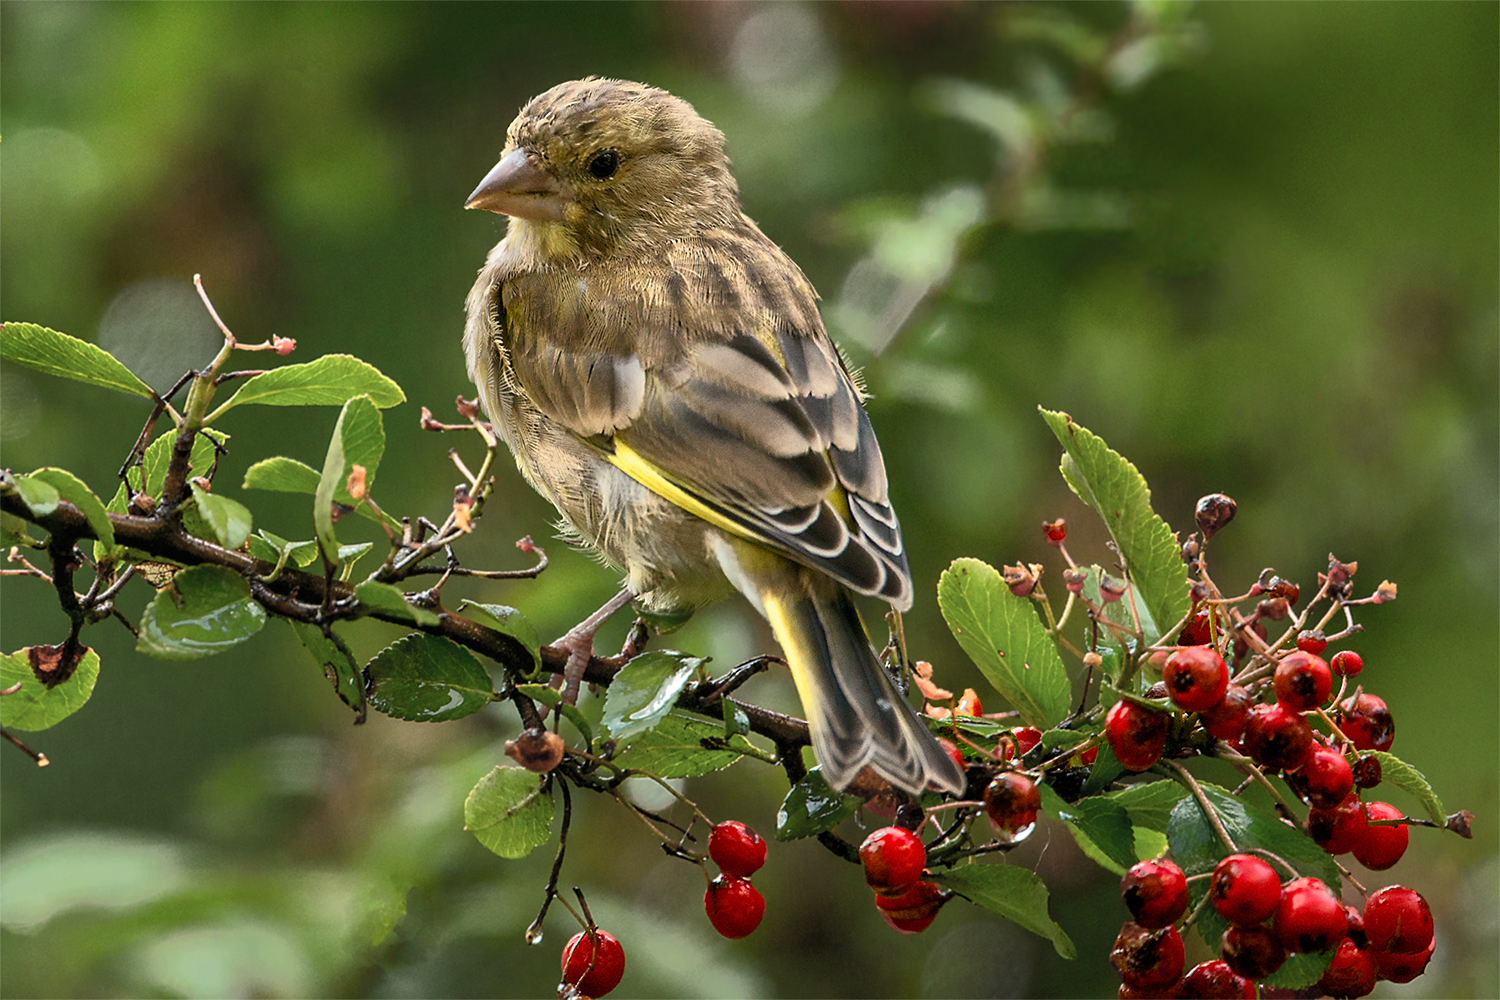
(600, 166)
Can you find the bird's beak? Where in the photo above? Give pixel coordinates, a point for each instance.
(520, 186)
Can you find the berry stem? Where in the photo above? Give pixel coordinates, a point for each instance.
(534, 931)
(1209, 811)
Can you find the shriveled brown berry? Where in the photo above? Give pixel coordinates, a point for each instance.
(1147, 959)
(1253, 952)
(1367, 772)
(536, 750)
(1213, 513)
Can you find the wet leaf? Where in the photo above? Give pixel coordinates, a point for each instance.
(644, 691)
(812, 807)
(206, 610)
(426, 678)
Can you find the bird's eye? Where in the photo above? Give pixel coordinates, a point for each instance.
(604, 164)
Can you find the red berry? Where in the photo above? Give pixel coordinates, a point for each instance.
(1380, 847)
(1278, 737)
(1026, 738)
(1055, 531)
(1155, 892)
(1346, 662)
(1326, 778)
(1399, 968)
(1367, 722)
(1244, 889)
(1303, 681)
(1309, 917)
(952, 751)
(1147, 959)
(1012, 801)
(1252, 952)
(1215, 980)
(1398, 919)
(893, 859)
(736, 849)
(1138, 735)
(1226, 720)
(914, 910)
(1197, 631)
(1311, 641)
(1196, 678)
(595, 966)
(734, 906)
(1337, 830)
(1351, 973)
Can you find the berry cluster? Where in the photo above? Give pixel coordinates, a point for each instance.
(894, 859)
(1391, 938)
(734, 906)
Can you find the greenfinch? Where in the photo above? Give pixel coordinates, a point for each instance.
(661, 373)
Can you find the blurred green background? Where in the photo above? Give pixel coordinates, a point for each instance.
(1253, 246)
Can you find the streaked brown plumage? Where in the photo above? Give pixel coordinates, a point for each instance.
(662, 375)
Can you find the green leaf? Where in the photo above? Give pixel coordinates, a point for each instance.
(72, 489)
(58, 354)
(341, 672)
(1100, 826)
(330, 481)
(1015, 893)
(1150, 804)
(1395, 771)
(1005, 637)
(37, 706)
(39, 495)
(206, 610)
(1300, 971)
(509, 812)
(364, 441)
(275, 549)
(379, 596)
(151, 476)
(14, 531)
(281, 475)
(229, 519)
(1107, 768)
(682, 747)
(507, 621)
(426, 678)
(644, 691)
(1117, 492)
(813, 807)
(331, 380)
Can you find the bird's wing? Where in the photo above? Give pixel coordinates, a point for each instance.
(712, 382)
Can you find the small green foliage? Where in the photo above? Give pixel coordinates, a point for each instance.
(1004, 636)
(510, 811)
(58, 354)
(426, 678)
(206, 610)
(812, 807)
(644, 690)
(37, 706)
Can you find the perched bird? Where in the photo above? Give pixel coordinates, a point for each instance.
(660, 371)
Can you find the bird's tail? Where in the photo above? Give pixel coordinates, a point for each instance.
(857, 716)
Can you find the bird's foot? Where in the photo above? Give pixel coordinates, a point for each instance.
(579, 644)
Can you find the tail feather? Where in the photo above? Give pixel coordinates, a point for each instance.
(857, 716)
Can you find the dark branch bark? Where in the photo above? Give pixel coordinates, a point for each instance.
(300, 596)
